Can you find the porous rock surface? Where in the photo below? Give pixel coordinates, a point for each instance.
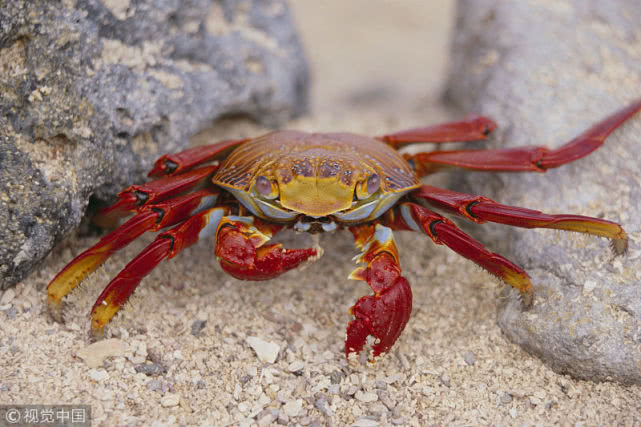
(92, 91)
(546, 71)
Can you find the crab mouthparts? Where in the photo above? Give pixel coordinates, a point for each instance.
(313, 225)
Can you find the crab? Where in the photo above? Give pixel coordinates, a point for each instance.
(241, 192)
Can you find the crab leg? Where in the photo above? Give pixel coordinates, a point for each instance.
(410, 216)
(384, 314)
(151, 218)
(167, 245)
(521, 159)
(173, 164)
(471, 128)
(241, 250)
(481, 209)
(137, 196)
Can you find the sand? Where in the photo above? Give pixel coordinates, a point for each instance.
(180, 353)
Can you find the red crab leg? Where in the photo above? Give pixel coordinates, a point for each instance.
(410, 216)
(481, 209)
(533, 158)
(471, 128)
(384, 314)
(234, 249)
(167, 245)
(152, 218)
(137, 196)
(173, 164)
(241, 250)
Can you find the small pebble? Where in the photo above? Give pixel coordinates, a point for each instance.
(170, 399)
(506, 398)
(365, 422)
(385, 399)
(154, 385)
(336, 377)
(293, 407)
(322, 405)
(95, 354)
(7, 297)
(296, 367)
(151, 369)
(266, 351)
(197, 326)
(283, 419)
(266, 420)
(12, 313)
(469, 357)
(97, 374)
(445, 380)
(366, 397)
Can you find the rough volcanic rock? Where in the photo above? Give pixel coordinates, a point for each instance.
(546, 71)
(92, 91)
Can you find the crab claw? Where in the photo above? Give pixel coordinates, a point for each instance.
(240, 250)
(384, 314)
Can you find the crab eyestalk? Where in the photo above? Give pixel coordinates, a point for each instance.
(371, 185)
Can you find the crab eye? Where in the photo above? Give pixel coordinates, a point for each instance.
(373, 183)
(266, 188)
(366, 188)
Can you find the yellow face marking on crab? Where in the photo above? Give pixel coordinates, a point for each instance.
(315, 196)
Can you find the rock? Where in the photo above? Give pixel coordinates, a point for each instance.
(151, 369)
(197, 326)
(469, 358)
(92, 93)
(266, 351)
(366, 397)
(95, 354)
(169, 400)
(293, 407)
(7, 296)
(98, 374)
(545, 71)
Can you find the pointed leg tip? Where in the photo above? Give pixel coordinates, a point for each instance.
(54, 308)
(96, 332)
(619, 246)
(527, 299)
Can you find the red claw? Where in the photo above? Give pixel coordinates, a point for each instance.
(243, 256)
(384, 314)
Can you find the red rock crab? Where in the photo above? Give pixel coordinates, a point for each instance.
(242, 192)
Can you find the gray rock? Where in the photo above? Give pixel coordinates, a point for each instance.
(91, 92)
(546, 71)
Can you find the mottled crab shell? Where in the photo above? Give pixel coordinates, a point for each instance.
(316, 173)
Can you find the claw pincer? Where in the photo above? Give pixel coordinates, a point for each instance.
(384, 314)
(243, 254)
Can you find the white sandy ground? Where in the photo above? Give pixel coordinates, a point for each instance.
(452, 365)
